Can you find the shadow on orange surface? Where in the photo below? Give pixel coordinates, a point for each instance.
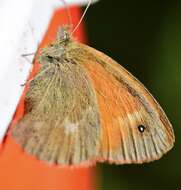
(19, 171)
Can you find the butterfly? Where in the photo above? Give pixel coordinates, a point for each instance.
(83, 107)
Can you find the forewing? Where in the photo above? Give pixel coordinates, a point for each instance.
(125, 107)
(61, 122)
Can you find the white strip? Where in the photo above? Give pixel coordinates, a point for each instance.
(22, 26)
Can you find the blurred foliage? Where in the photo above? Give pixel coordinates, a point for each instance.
(145, 37)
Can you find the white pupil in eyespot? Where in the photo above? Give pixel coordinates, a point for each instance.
(141, 128)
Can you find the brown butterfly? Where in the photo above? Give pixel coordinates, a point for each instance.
(83, 107)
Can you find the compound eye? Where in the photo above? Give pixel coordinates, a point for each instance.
(49, 58)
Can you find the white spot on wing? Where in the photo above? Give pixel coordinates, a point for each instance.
(70, 127)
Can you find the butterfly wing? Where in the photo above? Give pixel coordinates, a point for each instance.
(91, 109)
(134, 128)
(61, 122)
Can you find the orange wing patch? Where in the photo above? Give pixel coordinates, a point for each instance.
(114, 102)
(134, 128)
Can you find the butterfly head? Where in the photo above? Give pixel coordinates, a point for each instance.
(63, 34)
(57, 50)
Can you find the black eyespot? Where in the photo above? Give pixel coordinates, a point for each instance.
(141, 128)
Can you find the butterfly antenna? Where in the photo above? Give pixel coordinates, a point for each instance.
(68, 12)
(88, 5)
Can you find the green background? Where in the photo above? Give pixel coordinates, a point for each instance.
(145, 37)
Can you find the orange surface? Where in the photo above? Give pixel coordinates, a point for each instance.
(19, 171)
